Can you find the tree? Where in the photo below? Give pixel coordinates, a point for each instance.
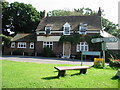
(19, 17)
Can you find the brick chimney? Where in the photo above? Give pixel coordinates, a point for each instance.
(99, 12)
(44, 14)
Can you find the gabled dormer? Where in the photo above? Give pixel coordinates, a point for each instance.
(48, 30)
(83, 28)
(66, 29)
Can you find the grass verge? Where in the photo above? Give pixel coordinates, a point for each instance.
(36, 75)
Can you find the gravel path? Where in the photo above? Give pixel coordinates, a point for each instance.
(45, 60)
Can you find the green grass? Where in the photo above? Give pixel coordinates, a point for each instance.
(36, 75)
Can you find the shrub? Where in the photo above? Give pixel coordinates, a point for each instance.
(99, 64)
(47, 52)
(17, 52)
(114, 63)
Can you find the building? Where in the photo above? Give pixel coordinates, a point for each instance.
(50, 31)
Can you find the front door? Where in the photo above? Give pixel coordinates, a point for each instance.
(66, 50)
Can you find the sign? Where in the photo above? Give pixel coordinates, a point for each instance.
(99, 62)
(91, 53)
(106, 39)
(95, 40)
(110, 39)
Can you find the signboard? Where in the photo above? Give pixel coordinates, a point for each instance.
(99, 62)
(110, 39)
(106, 39)
(95, 40)
(91, 53)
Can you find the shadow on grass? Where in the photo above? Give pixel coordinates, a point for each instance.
(49, 78)
(75, 74)
(115, 78)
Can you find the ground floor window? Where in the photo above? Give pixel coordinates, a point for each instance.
(13, 45)
(48, 44)
(82, 46)
(21, 44)
(32, 45)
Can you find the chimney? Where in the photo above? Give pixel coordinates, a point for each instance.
(44, 14)
(99, 12)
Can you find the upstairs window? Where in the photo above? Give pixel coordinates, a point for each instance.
(21, 44)
(13, 45)
(32, 45)
(66, 28)
(82, 46)
(47, 30)
(82, 28)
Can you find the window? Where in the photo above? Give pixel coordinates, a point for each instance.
(13, 45)
(21, 44)
(82, 46)
(82, 28)
(32, 45)
(48, 44)
(66, 29)
(47, 30)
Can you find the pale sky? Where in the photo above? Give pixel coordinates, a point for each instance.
(110, 7)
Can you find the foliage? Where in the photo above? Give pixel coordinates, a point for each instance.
(76, 38)
(73, 39)
(114, 63)
(47, 52)
(99, 64)
(75, 12)
(19, 17)
(6, 40)
(115, 32)
(18, 52)
(37, 75)
(108, 25)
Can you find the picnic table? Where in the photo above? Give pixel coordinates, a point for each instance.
(62, 69)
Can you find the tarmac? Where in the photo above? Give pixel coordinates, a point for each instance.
(47, 60)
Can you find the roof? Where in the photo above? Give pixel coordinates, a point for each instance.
(57, 22)
(24, 37)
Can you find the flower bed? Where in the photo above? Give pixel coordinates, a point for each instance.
(114, 62)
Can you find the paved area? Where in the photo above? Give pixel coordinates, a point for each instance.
(46, 60)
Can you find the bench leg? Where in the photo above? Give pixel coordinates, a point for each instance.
(61, 73)
(83, 71)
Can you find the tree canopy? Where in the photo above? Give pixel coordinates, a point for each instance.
(19, 17)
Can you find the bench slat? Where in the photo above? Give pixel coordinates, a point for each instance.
(71, 67)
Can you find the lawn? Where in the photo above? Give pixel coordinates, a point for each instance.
(36, 75)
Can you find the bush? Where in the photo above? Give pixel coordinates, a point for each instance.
(47, 52)
(78, 56)
(114, 63)
(17, 52)
(99, 64)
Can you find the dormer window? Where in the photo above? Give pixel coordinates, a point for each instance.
(82, 28)
(47, 30)
(66, 28)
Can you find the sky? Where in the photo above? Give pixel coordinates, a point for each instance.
(110, 7)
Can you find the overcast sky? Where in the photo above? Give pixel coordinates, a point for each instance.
(110, 7)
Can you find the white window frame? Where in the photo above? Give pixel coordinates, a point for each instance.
(82, 25)
(66, 25)
(13, 45)
(84, 45)
(31, 44)
(48, 27)
(48, 44)
(21, 45)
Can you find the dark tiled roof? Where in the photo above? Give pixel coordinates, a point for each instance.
(57, 22)
(25, 37)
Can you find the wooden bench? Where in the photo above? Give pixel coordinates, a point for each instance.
(62, 70)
